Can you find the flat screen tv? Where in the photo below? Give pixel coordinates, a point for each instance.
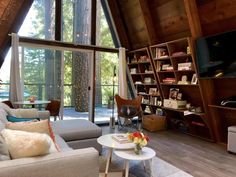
(216, 55)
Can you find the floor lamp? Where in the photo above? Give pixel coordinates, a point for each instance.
(112, 118)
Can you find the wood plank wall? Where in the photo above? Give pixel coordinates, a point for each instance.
(169, 20)
(217, 16)
(12, 14)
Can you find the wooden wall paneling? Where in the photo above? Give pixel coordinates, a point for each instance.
(10, 21)
(207, 89)
(224, 88)
(219, 10)
(219, 26)
(3, 5)
(149, 25)
(171, 19)
(221, 17)
(119, 23)
(193, 18)
(136, 28)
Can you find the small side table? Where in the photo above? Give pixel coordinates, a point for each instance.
(109, 142)
(147, 154)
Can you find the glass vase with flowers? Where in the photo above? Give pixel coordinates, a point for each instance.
(139, 139)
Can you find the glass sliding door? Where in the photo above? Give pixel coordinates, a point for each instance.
(41, 72)
(59, 74)
(106, 66)
(77, 84)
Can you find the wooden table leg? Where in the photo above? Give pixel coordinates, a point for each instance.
(108, 161)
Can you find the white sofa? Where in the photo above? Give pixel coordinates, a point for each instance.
(66, 163)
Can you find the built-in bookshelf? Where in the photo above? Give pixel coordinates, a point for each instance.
(183, 102)
(144, 79)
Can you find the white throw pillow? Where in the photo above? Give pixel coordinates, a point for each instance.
(26, 144)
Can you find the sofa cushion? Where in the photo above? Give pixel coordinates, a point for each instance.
(5, 107)
(62, 144)
(76, 129)
(3, 115)
(26, 144)
(26, 113)
(4, 153)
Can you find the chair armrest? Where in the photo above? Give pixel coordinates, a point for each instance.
(74, 163)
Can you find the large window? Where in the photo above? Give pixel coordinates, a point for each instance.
(41, 67)
(40, 20)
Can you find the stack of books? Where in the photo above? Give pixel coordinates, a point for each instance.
(121, 138)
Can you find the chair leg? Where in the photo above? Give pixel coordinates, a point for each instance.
(55, 118)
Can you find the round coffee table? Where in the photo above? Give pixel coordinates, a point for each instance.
(147, 154)
(109, 142)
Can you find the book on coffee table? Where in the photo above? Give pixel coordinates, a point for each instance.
(120, 138)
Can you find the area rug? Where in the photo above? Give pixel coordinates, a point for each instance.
(160, 168)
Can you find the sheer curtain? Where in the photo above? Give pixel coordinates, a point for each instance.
(16, 86)
(122, 73)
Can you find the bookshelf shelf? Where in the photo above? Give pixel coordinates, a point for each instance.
(178, 55)
(145, 81)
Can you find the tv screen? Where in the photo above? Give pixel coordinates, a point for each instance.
(216, 55)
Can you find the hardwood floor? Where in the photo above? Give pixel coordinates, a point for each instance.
(195, 156)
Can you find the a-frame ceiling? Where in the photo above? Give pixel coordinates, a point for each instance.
(140, 23)
(12, 14)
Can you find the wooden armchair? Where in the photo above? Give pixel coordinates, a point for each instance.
(54, 108)
(128, 109)
(9, 103)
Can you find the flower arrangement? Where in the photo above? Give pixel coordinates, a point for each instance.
(139, 139)
(32, 99)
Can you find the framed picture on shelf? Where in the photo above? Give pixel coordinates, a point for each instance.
(152, 91)
(133, 70)
(148, 80)
(173, 93)
(179, 96)
(194, 79)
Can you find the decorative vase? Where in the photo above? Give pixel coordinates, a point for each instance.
(138, 149)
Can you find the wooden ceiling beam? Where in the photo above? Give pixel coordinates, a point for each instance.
(119, 23)
(10, 22)
(148, 21)
(193, 18)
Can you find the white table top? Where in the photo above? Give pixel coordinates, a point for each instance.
(146, 154)
(32, 103)
(106, 140)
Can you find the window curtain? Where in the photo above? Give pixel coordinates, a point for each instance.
(16, 86)
(122, 73)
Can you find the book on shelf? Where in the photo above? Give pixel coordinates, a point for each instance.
(121, 138)
(161, 53)
(168, 80)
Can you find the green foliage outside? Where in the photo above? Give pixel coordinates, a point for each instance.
(35, 59)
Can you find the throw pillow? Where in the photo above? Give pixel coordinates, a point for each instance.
(4, 153)
(26, 144)
(128, 110)
(26, 113)
(43, 126)
(17, 119)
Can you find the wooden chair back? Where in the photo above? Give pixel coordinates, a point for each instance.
(134, 102)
